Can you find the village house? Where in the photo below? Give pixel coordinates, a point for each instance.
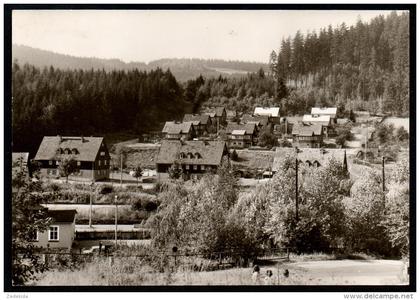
(325, 111)
(272, 112)
(20, 161)
(241, 135)
(308, 135)
(177, 130)
(325, 121)
(61, 232)
(262, 122)
(218, 116)
(310, 157)
(195, 158)
(90, 153)
(201, 123)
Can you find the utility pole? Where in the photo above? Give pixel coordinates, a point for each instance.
(116, 220)
(121, 167)
(383, 174)
(90, 205)
(297, 189)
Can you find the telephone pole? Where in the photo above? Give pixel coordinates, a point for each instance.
(116, 220)
(297, 189)
(121, 167)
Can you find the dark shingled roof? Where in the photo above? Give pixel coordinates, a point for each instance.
(259, 120)
(177, 128)
(197, 119)
(307, 129)
(250, 128)
(210, 152)
(62, 215)
(87, 147)
(294, 120)
(322, 156)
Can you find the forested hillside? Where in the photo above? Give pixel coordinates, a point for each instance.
(182, 68)
(367, 64)
(361, 67)
(52, 101)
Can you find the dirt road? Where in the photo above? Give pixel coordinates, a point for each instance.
(353, 272)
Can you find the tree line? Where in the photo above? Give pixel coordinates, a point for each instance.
(78, 102)
(367, 63)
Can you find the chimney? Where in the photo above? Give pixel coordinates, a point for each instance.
(60, 138)
(83, 139)
(322, 150)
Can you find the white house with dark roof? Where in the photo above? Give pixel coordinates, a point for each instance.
(194, 157)
(308, 135)
(177, 130)
(241, 135)
(90, 153)
(61, 232)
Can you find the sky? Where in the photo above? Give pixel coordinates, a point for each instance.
(145, 35)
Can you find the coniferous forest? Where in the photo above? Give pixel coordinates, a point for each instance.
(359, 67)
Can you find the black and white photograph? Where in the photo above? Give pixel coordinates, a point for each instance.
(224, 147)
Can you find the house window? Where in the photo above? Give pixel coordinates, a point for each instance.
(187, 167)
(99, 163)
(79, 163)
(195, 167)
(50, 162)
(202, 168)
(102, 153)
(53, 234)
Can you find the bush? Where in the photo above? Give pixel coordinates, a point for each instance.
(105, 189)
(234, 156)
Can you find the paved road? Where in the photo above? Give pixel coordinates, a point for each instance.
(353, 272)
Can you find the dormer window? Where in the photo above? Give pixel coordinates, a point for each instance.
(102, 153)
(66, 151)
(59, 151)
(190, 155)
(197, 155)
(182, 155)
(74, 151)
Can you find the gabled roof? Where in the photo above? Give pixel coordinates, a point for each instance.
(324, 111)
(238, 132)
(259, 120)
(62, 215)
(294, 120)
(210, 152)
(250, 128)
(267, 111)
(322, 156)
(307, 129)
(323, 119)
(86, 148)
(197, 119)
(172, 127)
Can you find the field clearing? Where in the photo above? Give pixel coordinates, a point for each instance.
(132, 271)
(255, 159)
